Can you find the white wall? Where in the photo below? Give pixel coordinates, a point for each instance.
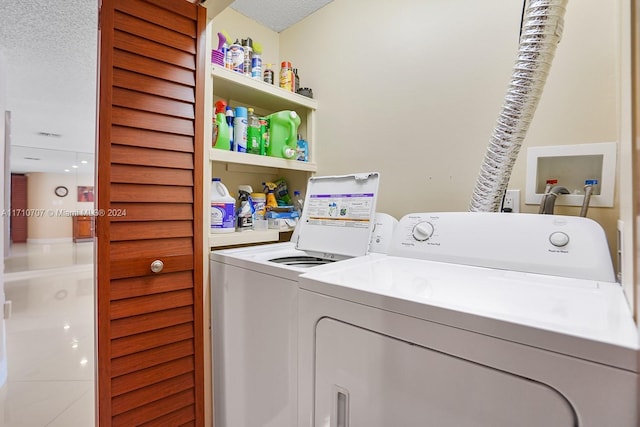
(51, 215)
(413, 89)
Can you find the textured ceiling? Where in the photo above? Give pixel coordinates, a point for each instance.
(277, 15)
(50, 48)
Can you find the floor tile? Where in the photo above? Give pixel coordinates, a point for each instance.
(49, 336)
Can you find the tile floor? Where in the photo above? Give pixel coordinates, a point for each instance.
(49, 336)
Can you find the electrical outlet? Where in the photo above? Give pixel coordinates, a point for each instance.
(511, 202)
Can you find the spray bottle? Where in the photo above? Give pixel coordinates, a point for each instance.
(221, 134)
(246, 209)
(270, 190)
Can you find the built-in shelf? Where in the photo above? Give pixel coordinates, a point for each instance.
(257, 160)
(231, 85)
(236, 168)
(243, 238)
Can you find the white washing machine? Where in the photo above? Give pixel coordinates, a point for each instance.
(474, 319)
(254, 293)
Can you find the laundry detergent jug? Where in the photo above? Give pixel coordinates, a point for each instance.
(283, 134)
(223, 208)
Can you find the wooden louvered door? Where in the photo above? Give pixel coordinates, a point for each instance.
(150, 163)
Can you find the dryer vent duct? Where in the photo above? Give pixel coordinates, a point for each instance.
(541, 31)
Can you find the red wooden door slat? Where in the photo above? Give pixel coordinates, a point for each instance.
(150, 175)
(145, 83)
(135, 306)
(164, 408)
(153, 393)
(141, 342)
(153, 375)
(155, 356)
(151, 211)
(150, 337)
(152, 104)
(150, 139)
(152, 13)
(132, 25)
(129, 155)
(154, 68)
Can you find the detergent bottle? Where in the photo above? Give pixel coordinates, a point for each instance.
(221, 133)
(283, 132)
(223, 208)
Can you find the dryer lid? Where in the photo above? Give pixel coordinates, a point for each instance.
(338, 215)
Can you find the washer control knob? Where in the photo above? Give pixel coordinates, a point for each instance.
(422, 231)
(559, 239)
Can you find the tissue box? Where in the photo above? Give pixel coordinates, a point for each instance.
(282, 221)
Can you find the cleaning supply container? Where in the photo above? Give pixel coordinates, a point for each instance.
(283, 134)
(223, 208)
(240, 129)
(221, 133)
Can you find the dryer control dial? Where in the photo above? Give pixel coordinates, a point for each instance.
(559, 239)
(422, 231)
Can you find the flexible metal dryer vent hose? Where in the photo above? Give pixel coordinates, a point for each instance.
(541, 32)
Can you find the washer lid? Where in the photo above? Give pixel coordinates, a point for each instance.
(338, 215)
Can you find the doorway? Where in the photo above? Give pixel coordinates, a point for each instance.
(48, 82)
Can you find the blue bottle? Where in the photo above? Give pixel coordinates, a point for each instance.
(230, 117)
(240, 129)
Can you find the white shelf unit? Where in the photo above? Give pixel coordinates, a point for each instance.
(235, 168)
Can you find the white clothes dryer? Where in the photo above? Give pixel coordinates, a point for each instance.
(474, 319)
(254, 297)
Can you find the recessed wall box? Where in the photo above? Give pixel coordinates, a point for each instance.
(571, 166)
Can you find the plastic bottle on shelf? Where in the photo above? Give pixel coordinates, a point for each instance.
(223, 208)
(260, 211)
(229, 116)
(264, 136)
(286, 76)
(245, 208)
(247, 45)
(298, 202)
(253, 133)
(269, 75)
(256, 61)
(270, 198)
(221, 134)
(240, 129)
(302, 152)
(296, 80)
(236, 55)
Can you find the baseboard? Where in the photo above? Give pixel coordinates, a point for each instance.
(50, 241)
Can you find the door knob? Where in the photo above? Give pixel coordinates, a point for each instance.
(157, 266)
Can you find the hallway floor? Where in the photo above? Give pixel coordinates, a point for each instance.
(49, 336)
